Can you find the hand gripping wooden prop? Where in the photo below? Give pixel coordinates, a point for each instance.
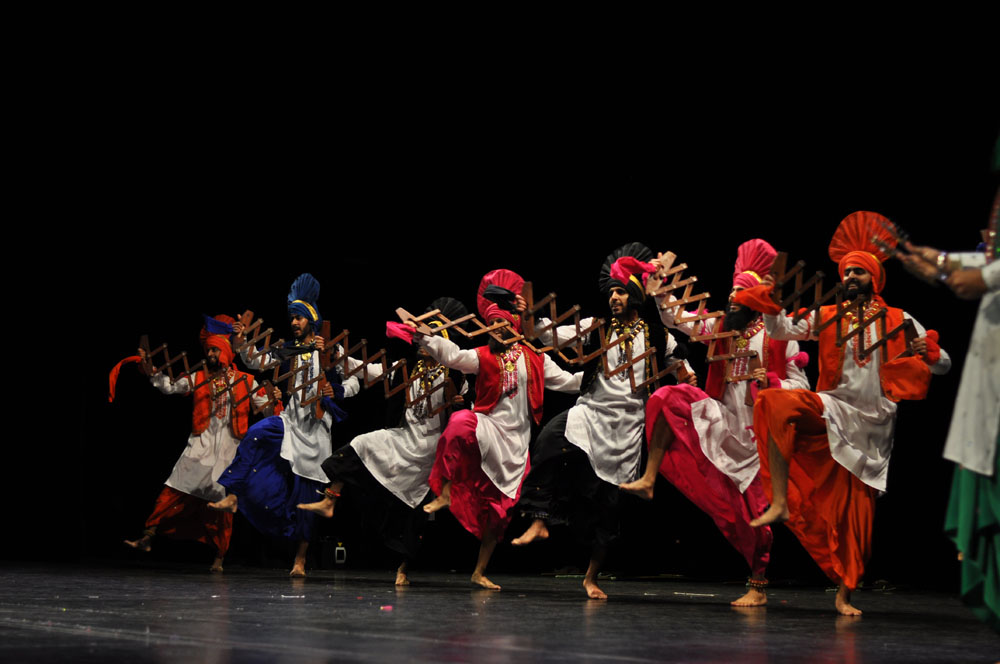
(576, 341)
(853, 313)
(730, 353)
(188, 372)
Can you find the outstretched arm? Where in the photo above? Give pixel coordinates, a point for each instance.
(449, 354)
(559, 380)
(563, 332)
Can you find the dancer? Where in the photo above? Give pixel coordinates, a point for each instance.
(702, 441)
(482, 456)
(181, 509)
(391, 467)
(825, 455)
(583, 454)
(278, 465)
(973, 517)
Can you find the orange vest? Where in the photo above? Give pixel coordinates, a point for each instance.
(239, 417)
(911, 384)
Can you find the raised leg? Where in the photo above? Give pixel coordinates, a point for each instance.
(227, 504)
(442, 501)
(663, 436)
(778, 466)
(536, 531)
(486, 547)
(325, 507)
(144, 543)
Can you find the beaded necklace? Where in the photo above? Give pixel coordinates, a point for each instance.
(626, 333)
(508, 364)
(303, 358)
(850, 322)
(424, 378)
(220, 397)
(739, 366)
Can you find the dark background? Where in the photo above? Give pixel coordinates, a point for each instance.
(213, 201)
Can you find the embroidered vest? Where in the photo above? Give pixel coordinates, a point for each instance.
(239, 417)
(831, 358)
(774, 360)
(490, 378)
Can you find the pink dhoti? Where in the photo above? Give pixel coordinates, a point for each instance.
(686, 466)
(475, 501)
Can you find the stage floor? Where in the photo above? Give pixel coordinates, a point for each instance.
(134, 613)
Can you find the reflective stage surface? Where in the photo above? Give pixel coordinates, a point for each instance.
(155, 614)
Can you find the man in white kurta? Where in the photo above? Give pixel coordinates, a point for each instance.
(973, 513)
(279, 464)
(182, 508)
(482, 457)
(583, 455)
(827, 452)
(702, 442)
(397, 461)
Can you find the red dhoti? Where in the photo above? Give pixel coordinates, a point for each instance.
(831, 510)
(475, 501)
(687, 468)
(183, 516)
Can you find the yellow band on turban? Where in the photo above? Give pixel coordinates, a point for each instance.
(308, 306)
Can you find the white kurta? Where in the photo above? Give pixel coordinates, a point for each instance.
(859, 419)
(725, 428)
(306, 443)
(972, 437)
(608, 420)
(504, 433)
(401, 458)
(207, 454)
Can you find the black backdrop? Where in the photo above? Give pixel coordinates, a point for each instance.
(190, 213)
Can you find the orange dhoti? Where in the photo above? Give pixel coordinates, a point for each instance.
(831, 510)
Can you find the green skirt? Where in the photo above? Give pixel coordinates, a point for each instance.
(973, 523)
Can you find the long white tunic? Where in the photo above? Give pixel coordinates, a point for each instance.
(859, 419)
(306, 443)
(725, 428)
(972, 437)
(401, 458)
(608, 420)
(504, 433)
(207, 454)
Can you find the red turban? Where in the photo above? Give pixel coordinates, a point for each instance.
(505, 279)
(220, 341)
(753, 260)
(853, 245)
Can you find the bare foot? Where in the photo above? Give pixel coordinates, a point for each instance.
(753, 597)
(442, 501)
(481, 580)
(227, 504)
(843, 602)
(324, 507)
(536, 531)
(216, 565)
(641, 487)
(774, 514)
(142, 543)
(401, 578)
(298, 570)
(593, 592)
